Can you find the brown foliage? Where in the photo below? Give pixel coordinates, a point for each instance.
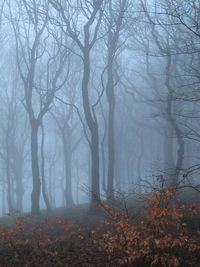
(49, 243)
(160, 238)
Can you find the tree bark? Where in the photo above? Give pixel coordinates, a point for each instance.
(66, 138)
(111, 136)
(89, 112)
(139, 164)
(44, 193)
(35, 195)
(174, 179)
(8, 176)
(3, 194)
(93, 127)
(113, 39)
(19, 184)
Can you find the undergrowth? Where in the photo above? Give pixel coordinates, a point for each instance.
(162, 237)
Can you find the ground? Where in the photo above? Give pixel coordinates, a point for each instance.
(75, 252)
(72, 237)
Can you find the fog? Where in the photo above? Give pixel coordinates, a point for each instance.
(97, 98)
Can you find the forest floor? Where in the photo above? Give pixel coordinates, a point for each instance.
(69, 237)
(70, 228)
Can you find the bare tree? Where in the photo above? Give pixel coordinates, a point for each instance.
(91, 12)
(116, 14)
(30, 50)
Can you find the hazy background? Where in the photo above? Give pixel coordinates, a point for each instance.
(97, 97)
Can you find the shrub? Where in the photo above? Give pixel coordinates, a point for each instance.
(160, 238)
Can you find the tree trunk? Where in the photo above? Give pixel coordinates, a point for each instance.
(77, 186)
(103, 167)
(115, 25)
(50, 186)
(19, 186)
(3, 194)
(173, 181)
(169, 165)
(67, 157)
(18, 175)
(35, 195)
(139, 164)
(95, 170)
(118, 172)
(54, 186)
(93, 128)
(111, 137)
(44, 193)
(8, 179)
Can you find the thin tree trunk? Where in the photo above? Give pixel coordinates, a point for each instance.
(19, 187)
(18, 175)
(54, 186)
(44, 193)
(139, 164)
(50, 186)
(67, 158)
(111, 137)
(103, 167)
(35, 195)
(169, 152)
(113, 38)
(173, 181)
(8, 180)
(77, 186)
(95, 170)
(3, 194)
(93, 127)
(118, 172)
(103, 154)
